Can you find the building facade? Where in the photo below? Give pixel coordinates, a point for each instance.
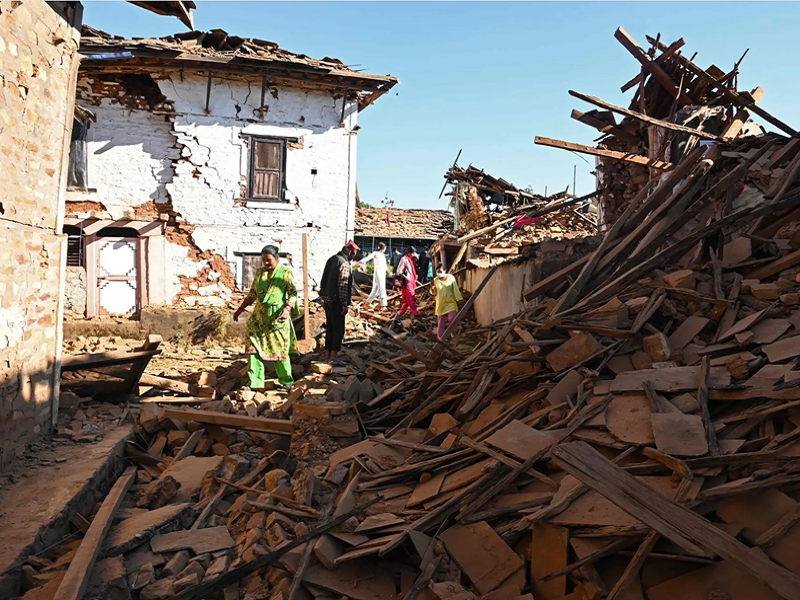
(39, 44)
(201, 149)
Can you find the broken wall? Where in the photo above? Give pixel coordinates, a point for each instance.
(38, 45)
(158, 149)
(502, 296)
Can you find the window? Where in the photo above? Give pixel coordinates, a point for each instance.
(267, 169)
(74, 246)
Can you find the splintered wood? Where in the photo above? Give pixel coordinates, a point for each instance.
(633, 432)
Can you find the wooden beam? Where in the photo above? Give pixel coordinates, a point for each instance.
(613, 154)
(201, 391)
(104, 359)
(734, 128)
(689, 530)
(730, 94)
(207, 417)
(704, 135)
(77, 576)
(651, 66)
(306, 289)
(775, 267)
(605, 128)
(673, 48)
(468, 304)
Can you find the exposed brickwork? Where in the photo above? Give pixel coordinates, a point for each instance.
(37, 46)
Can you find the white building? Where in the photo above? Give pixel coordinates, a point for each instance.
(203, 148)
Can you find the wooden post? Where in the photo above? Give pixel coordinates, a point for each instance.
(306, 324)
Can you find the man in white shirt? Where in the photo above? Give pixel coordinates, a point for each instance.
(378, 259)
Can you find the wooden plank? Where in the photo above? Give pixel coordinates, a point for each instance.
(742, 325)
(203, 391)
(603, 127)
(548, 554)
(679, 434)
(783, 349)
(520, 440)
(703, 135)
(775, 267)
(674, 379)
(77, 576)
(189, 445)
(673, 48)
(734, 128)
(675, 522)
(686, 332)
(651, 66)
(613, 154)
(569, 298)
(261, 424)
(551, 281)
(482, 554)
(306, 291)
(104, 359)
(728, 92)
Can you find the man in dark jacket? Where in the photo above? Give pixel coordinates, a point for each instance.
(424, 264)
(335, 289)
(396, 256)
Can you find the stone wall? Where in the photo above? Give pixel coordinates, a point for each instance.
(154, 150)
(37, 48)
(75, 292)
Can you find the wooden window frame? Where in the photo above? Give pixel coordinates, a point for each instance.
(253, 140)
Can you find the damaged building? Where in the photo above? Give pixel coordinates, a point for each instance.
(39, 53)
(201, 148)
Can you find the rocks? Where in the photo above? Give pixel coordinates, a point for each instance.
(176, 564)
(158, 493)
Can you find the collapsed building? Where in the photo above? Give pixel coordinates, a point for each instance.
(631, 433)
(523, 237)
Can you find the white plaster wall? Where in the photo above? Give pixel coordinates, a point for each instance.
(130, 157)
(199, 162)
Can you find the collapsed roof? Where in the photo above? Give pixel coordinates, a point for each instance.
(217, 51)
(403, 223)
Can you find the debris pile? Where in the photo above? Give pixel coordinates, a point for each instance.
(676, 106)
(632, 433)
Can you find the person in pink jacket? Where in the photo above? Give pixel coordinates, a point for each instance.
(407, 270)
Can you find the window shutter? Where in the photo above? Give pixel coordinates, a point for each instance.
(267, 173)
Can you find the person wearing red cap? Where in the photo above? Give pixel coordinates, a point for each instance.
(335, 289)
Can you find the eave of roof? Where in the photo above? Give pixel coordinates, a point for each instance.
(216, 51)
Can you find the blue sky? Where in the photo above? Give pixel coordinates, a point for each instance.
(488, 77)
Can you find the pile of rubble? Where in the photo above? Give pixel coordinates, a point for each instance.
(632, 433)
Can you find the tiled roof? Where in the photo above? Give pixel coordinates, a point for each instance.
(403, 223)
(218, 49)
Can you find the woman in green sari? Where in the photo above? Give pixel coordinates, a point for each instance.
(270, 332)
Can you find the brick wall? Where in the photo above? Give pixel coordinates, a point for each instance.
(38, 43)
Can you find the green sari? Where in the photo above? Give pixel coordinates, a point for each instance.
(268, 336)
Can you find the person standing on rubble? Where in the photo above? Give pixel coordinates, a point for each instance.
(335, 289)
(378, 259)
(408, 271)
(424, 265)
(445, 288)
(270, 331)
(396, 257)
